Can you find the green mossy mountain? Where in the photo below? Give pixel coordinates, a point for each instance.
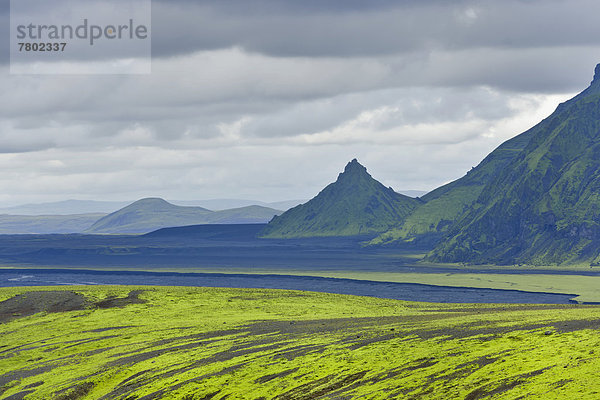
(544, 206)
(354, 204)
(150, 214)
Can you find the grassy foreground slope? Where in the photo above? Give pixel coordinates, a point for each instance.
(200, 343)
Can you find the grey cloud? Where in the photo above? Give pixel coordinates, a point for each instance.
(409, 105)
(340, 29)
(279, 97)
(543, 70)
(21, 140)
(306, 7)
(510, 44)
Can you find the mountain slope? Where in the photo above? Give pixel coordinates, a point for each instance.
(543, 207)
(150, 214)
(354, 204)
(444, 205)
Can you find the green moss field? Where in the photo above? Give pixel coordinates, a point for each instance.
(117, 342)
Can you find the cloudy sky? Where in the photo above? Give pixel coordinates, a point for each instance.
(269, 99)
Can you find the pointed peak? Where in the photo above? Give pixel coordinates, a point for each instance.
(593, 89)
(354, 167)
(596, 74)
(354, 171)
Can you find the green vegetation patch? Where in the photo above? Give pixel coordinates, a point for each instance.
(114, 342)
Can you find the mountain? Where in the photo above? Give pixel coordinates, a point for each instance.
(543, 207)
(226, 204)
(354, 204)
(150, 214)
(46, 224)
(283, 205)
(444, 205)
(72, 207)
(146, 215)
(244, 215)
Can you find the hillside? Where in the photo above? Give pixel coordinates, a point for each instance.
(150, 214)
(444, 205)
(544, 206)
(354, 204)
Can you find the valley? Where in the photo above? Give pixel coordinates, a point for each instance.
(486, 287)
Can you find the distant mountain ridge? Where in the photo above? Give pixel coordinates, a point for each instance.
(354, 204)
(226, 204)
(72, 207)
(147, 215)
(46, 224)
(65, 207)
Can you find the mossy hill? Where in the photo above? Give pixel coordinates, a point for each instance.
(354, 204)
(543, 207)
(150, 214)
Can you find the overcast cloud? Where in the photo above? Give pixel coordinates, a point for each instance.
(270, 99)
